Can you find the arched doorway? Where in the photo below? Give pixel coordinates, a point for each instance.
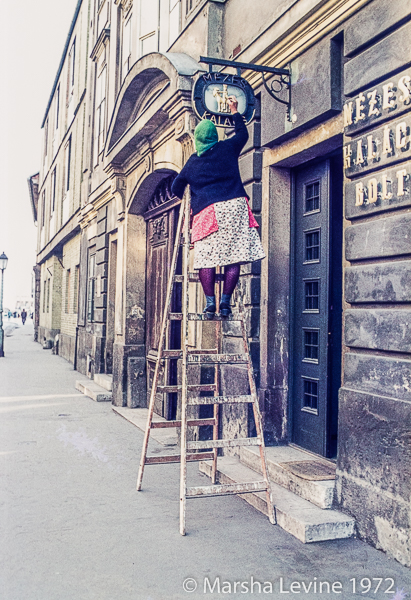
(161, 218)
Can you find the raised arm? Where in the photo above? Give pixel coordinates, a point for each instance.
(179, 185)
(240, 137)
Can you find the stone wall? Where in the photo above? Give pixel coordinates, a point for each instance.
(69, 307)
(50, 299)
(374, 455)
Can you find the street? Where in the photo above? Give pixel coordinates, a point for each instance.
(73, 526)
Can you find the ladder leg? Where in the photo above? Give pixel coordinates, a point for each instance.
(257, 418)
(216, 409)
(160, 347)
(183, 459)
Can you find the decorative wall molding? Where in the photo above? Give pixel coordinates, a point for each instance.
(298, 39)
(126, 5)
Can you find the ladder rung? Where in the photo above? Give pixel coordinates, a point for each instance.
(172, 354)
(190, 423)
(255, 441)
(218, 358)
(202, 317)
(194, 278)
(217, 317)
(175, 458)
(226, 489)
(219, 400)
(170, 389)
(179, 353)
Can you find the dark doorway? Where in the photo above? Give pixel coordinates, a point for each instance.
(111, 305)
(317, 305)
(162, 217)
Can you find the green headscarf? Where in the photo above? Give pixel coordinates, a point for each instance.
(205, 136)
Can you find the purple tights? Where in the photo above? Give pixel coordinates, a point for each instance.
(231, 275)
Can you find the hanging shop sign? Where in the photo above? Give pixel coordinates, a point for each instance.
(210, 98)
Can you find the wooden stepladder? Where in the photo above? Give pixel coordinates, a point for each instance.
(204, 449)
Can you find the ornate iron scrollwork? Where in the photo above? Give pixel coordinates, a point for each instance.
(281, 78)
(276, 85)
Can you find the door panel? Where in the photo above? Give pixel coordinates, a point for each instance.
(160, 242)
(311, 308)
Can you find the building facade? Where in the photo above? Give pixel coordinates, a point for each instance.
(60, 190)
(328, 310)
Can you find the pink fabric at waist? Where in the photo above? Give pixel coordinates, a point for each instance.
(205, 222)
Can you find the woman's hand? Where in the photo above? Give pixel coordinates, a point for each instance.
(232, 103)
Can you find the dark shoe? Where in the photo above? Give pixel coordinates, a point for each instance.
(209, 311)
(225, 310)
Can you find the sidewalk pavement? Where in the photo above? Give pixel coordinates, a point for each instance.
(73, 526)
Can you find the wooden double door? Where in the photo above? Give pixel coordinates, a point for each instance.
(162, 218)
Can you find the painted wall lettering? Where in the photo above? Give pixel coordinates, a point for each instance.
(385, 145)
(380, 191)
(389, 99)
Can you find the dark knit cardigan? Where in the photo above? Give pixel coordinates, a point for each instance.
(214, 176)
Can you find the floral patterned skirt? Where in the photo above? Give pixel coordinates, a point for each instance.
(234, 242)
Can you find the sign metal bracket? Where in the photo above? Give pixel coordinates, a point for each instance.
(281, 77)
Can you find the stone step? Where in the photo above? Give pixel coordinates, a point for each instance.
(138, 417)
(104, 380)
(93, 390)
(297, 516)
(319, 493)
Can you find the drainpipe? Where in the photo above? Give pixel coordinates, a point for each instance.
(75, 350)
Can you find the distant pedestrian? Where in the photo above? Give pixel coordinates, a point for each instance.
(23, 316)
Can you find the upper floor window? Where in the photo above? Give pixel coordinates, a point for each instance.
(190, 4)
(67, 165)
(68, 285)
(174, 20)
(43, 208)
(53, 191)
(48, 295)
(57, 107)
(46, 137)
(103, 17)
(44, 294)
(100, 111)
(75, 288)
(126, 47)
(91, 287)
(71, 68)
(148, 27)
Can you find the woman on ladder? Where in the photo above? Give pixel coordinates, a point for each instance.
(223, 227)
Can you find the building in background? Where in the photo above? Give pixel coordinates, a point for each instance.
(33, 184)
(329, 309)
(61, 188)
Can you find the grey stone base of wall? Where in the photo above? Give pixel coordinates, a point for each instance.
(90, 353)
(129, 376)
(374, 470)
(45, 334)
(67, 346)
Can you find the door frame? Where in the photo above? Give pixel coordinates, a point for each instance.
(332, 411)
